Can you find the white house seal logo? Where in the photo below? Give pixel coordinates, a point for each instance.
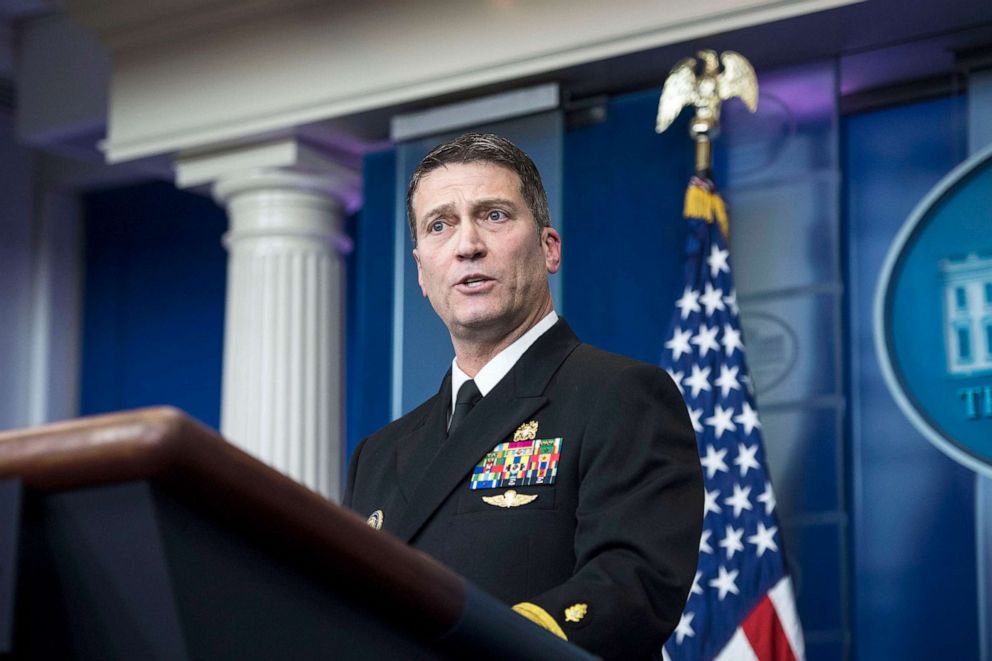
(933, 315)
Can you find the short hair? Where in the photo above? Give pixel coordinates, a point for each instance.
(484, 148)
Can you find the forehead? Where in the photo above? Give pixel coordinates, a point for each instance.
(468, 181)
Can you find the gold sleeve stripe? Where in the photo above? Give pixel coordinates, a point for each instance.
(539, 616)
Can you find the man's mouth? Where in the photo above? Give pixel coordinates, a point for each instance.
(473, 281)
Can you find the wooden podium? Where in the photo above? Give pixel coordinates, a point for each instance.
(145, 535)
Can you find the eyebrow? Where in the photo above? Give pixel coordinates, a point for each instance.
(448, 208)
(495, 202)
(440, 210)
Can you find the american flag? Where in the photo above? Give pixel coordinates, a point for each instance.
(741, 605)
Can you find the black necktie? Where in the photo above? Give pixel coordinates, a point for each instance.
(468, 397)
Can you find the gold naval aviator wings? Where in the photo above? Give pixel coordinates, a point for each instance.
(510, 498)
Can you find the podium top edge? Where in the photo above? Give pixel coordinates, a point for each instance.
(165, 446)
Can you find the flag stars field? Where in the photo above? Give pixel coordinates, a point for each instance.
(712, 300)
(713, 461)
(748, 419)
(679, 344)
(746, 458)
(731, 302)
(705, 339)
(684, 628)
(731, 340)
(720, 421)
(767, 497)
(704, 542)
(740, 501)
(728, 380)
(764, 539)
(731, 543)
(696, 588)
(695, 415)
(698, 381)
(740, 560)
(725, 582)
(718, 261)
(709, 502)
(689, 302)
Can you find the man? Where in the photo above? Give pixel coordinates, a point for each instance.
(562, 479)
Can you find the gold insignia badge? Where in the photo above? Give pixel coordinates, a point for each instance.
(576, 612)
(375, 520)
(526, 431)
(510, 498)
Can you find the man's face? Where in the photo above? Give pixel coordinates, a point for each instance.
(480, 259)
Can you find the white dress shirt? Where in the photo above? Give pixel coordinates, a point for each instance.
(493, 371)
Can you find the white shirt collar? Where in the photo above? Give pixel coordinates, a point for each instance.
(494, 371)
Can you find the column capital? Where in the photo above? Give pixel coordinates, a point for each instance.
(287, 164)
(321, 186)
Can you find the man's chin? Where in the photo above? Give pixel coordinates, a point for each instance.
(481, 325)
(476, 323)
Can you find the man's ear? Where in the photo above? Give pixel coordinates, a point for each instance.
(420, 273)
(551, 245)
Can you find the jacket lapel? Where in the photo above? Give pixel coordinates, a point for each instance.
(514, 399)
(419, 449)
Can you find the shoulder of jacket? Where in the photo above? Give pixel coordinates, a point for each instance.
(588, 355)
(614, 368)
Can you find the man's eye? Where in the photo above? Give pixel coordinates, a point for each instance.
(435, 227)
(496, 214)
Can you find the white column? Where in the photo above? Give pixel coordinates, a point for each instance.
(283, 341)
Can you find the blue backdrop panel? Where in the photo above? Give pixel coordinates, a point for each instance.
(370, 301)
(153, 305)
(622, 252)
(913, 536)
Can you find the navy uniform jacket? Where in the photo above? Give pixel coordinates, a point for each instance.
(617, 531)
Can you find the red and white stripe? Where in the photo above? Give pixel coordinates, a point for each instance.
(770, 632)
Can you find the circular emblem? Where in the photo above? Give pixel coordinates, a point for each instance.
(375, 520)
(933, 315)
(773, 349)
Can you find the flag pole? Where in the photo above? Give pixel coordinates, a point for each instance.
(741, 605)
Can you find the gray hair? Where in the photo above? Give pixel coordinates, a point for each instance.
(484, 148)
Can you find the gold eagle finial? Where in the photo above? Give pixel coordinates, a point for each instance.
(706, 91)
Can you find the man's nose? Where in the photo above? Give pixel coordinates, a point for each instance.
(469, 242)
